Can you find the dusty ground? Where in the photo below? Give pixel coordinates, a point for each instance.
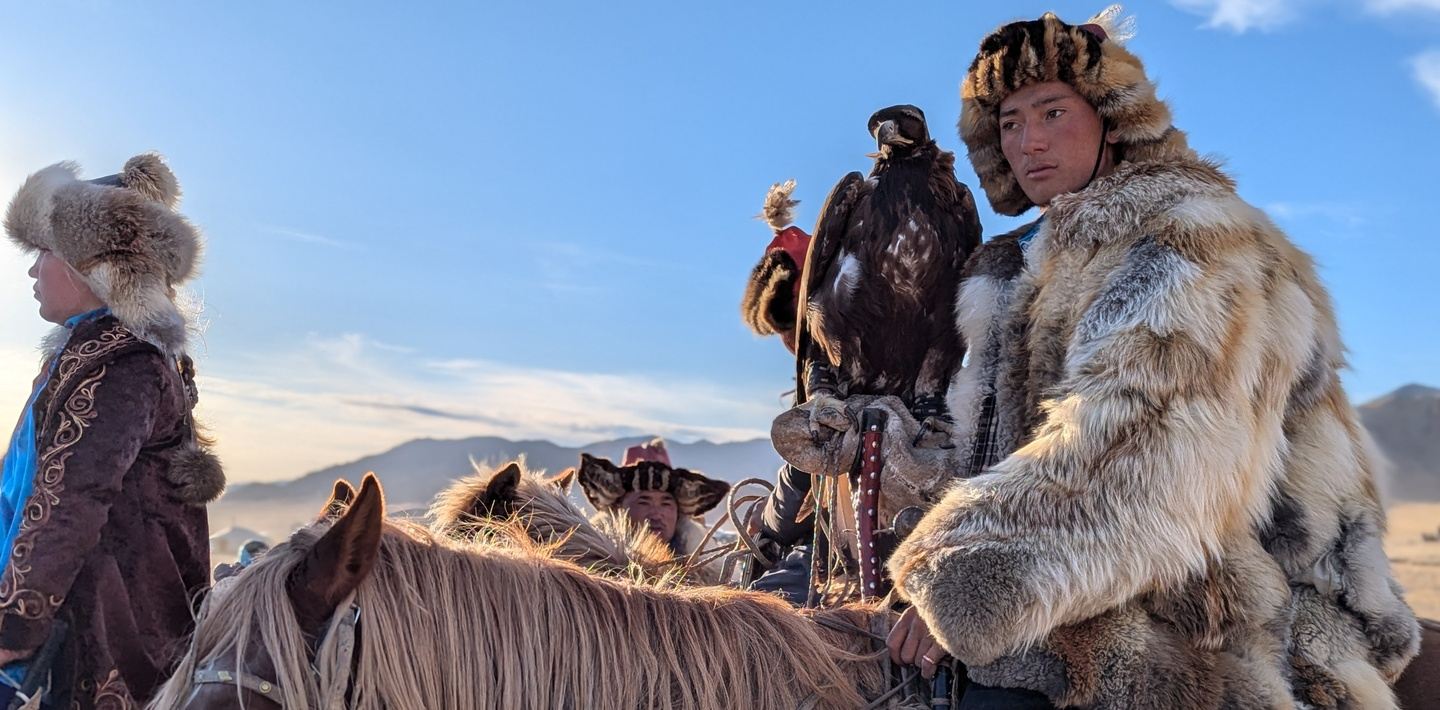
(1417, 562)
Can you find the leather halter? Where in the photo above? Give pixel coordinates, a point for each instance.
(345, 632)
(265, 688)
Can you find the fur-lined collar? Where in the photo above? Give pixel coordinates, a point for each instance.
(1127, 200)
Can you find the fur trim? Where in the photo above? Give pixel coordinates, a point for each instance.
(1100, 69)
(779, 206)
(986, 291)
(120, 234)
(148, 175)
(768, 306)
(196, 474)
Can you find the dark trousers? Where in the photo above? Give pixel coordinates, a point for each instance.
(984, 697)
(790, 578)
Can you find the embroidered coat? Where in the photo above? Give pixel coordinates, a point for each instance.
(114, 539)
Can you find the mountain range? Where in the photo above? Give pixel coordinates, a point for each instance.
(1405, 424)
(415, 471)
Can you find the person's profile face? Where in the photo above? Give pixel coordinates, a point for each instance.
(62, 293)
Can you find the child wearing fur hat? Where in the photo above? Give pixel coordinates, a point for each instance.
(1167, 499)
(102, 502)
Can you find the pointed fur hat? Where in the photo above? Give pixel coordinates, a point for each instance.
(121, 233)
(1089, 57)
(647, 468)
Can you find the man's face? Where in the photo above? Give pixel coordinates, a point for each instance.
(656, 509)
(60, 291)
(1050, 135)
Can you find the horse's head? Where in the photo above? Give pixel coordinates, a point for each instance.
(263, 634)
(506, 492)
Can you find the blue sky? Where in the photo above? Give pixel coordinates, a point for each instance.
(535, 220)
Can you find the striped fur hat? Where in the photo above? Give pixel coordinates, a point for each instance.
(1092, 59)
(647, 468)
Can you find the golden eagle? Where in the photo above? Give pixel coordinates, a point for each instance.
(878, 293)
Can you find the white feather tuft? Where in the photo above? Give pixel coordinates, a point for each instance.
(779, 207)
(1118, 28)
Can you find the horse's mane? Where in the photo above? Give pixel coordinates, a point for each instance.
(450, 625)
(608, 544)
(236, 615)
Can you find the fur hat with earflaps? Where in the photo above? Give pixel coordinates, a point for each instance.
(1090, 58)
(647, 468)
(121, 233)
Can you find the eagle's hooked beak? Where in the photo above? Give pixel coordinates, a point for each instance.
(887, 133)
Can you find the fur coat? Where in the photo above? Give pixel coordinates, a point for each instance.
(1171, 502)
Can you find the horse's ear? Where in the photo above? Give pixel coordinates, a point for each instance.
(340, 499)
(497, 498)
(564, 480)
(340, 559)
(503, 484)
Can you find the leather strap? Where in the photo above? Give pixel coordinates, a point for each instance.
(266, 688)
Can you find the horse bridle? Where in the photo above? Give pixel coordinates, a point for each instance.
(346, 632)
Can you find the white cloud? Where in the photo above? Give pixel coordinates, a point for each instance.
(1385, 7)
(304, 237)
(1344, 213)
(340, 398)
(571, 268)
(336, 399)
(1244, 15)
(1427, 72)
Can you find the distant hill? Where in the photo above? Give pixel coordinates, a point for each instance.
(1404, 423)
(415, 471)
(1406, 426)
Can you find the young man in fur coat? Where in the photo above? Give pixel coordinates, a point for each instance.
(102, 506)
(1169, 502)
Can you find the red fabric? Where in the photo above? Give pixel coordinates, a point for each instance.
(794, 242)
(653, 451)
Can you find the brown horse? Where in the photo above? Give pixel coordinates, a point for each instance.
(513, 495)
(447, 624)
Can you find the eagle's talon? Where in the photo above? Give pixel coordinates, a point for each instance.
(934, 433)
